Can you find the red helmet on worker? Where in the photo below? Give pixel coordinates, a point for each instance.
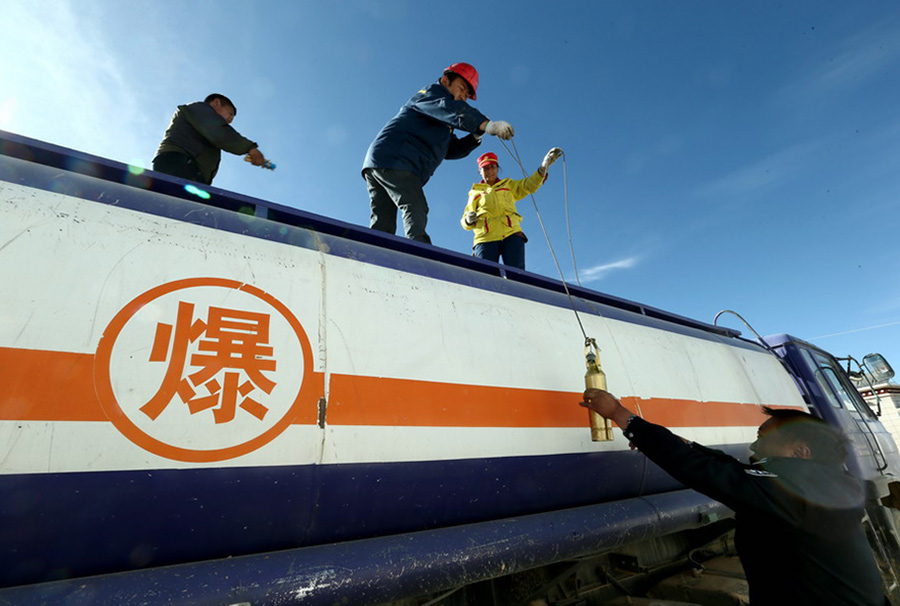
(486, 159)
(467, 73)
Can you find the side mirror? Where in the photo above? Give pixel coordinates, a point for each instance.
(878, 368)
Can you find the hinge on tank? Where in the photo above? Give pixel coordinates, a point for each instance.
(321, 417)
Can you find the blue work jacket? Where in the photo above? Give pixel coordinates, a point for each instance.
(421, 135)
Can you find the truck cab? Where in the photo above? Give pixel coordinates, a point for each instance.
(830, 394)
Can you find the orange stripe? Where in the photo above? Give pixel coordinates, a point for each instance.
(690, 413)
(59, 386)
(48, 386)
(356, 400)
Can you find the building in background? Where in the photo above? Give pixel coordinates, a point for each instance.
(885, 396)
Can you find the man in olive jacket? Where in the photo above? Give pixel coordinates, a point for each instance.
(191, 147)
(798, 514)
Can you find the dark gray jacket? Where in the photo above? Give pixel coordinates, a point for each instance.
(199, 132)
(799, 530)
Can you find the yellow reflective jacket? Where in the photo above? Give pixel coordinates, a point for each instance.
(495, 206)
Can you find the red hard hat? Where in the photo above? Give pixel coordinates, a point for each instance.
(487, 158)
(467, 73)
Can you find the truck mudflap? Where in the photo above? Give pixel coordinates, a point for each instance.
(378, 570)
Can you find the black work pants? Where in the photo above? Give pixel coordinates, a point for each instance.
(178, 165)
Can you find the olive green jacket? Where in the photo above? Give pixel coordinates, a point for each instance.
(198, 131)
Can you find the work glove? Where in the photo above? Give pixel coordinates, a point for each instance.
(551, 157)
(471, 218)
(501, 129)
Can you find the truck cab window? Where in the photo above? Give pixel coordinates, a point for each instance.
(834, 384)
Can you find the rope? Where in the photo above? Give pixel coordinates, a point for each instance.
(568, 222)
(514, 154)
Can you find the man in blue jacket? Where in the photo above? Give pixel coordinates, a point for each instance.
(798, 514)
(409, 148)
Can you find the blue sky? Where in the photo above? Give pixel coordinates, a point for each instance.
(741, 155)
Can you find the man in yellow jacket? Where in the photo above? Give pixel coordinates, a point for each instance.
(491, 212)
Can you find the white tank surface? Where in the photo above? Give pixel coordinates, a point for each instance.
(191, 379)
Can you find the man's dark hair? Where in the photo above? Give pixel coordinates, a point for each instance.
(451, 76)
(825, 443)
(222, 98)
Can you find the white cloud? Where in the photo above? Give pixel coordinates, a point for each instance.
(68, 86)
(598, 272)
(861, 57)
(847, 332)
(771, 171)
(79, 82)
(7, 112)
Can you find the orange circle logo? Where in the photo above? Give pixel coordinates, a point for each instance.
(202, 369)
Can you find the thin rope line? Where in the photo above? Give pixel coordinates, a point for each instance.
(568, 221)
(515, 156)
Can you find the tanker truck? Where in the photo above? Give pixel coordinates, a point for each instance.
(211, 399)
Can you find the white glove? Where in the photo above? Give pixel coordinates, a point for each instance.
(471, 218)
(501, 129)
(551, 157)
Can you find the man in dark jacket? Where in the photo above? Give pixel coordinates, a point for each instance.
(798, 513)
(409, 148)
(191, 147)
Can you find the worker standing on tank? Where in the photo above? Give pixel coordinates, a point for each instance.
(197, 134)
(799, 515)
(410, 147)
(491, 210)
